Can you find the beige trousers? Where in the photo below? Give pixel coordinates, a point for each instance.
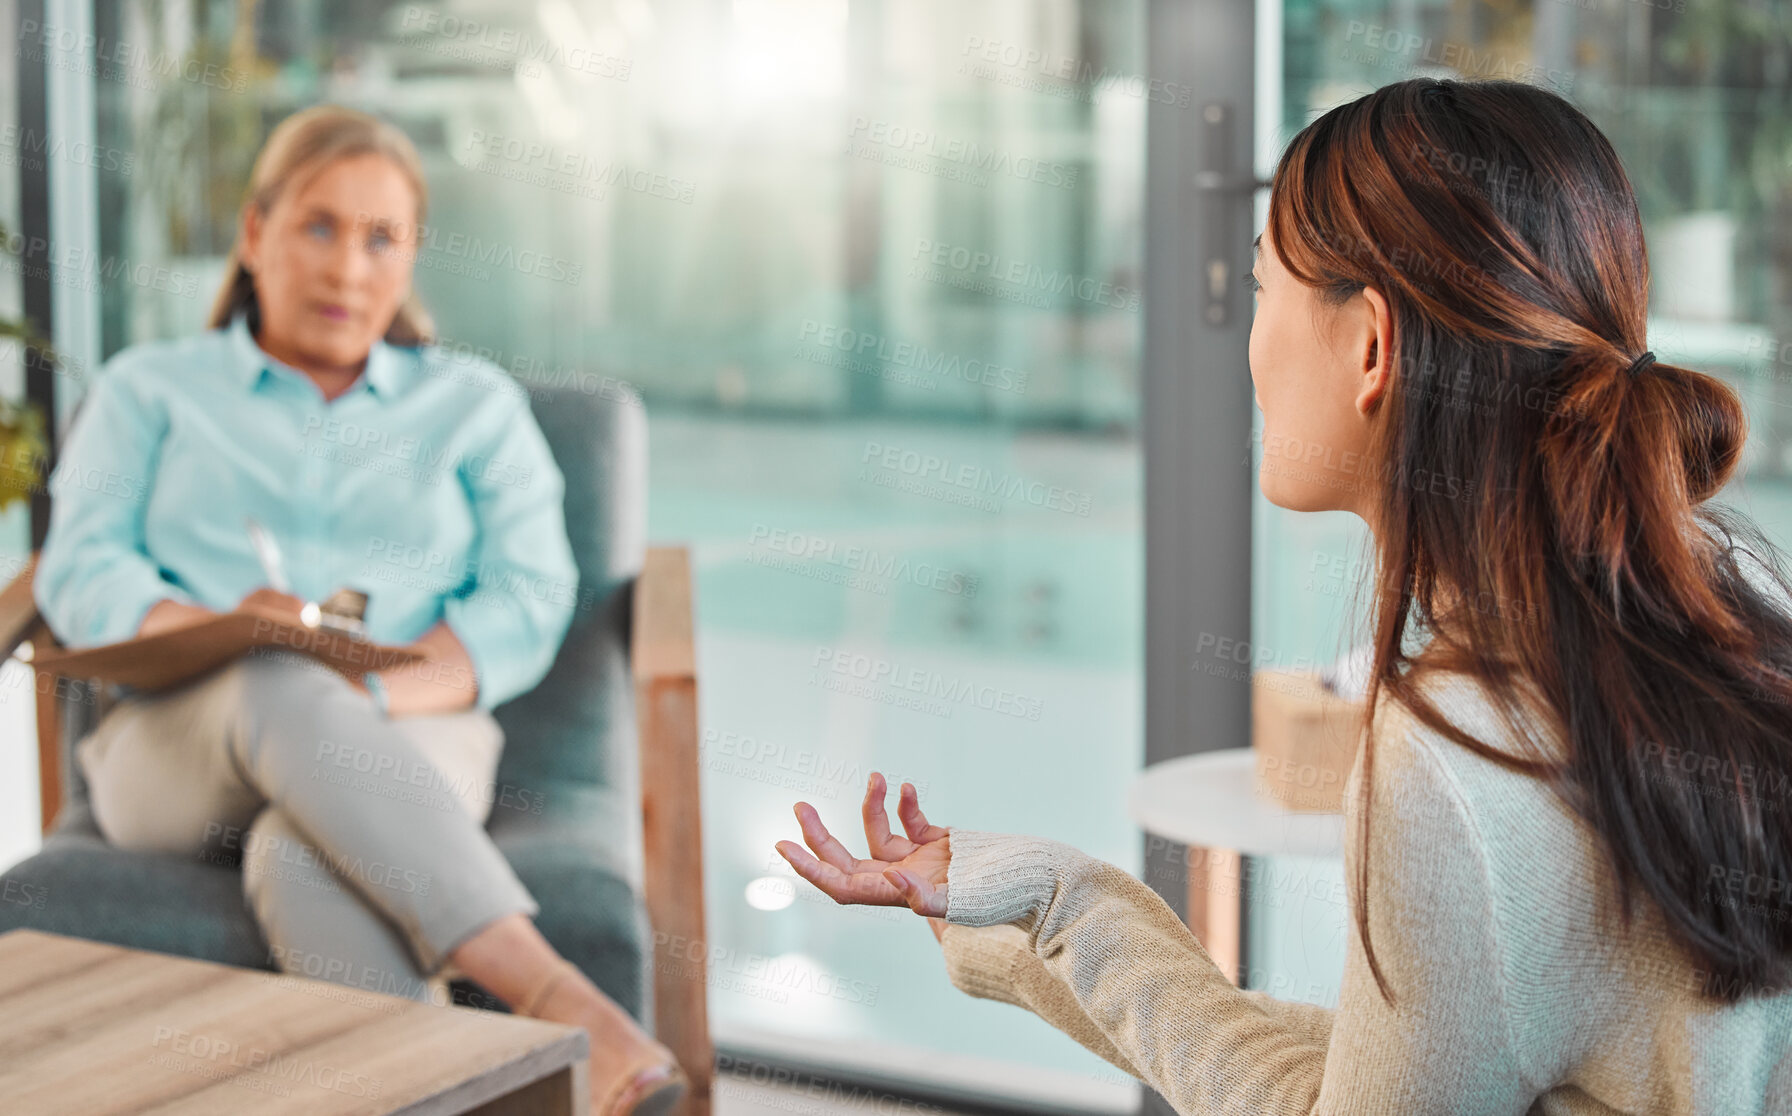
(364, 852)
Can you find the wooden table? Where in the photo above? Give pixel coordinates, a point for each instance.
(92, 1028)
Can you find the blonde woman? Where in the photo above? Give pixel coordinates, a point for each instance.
(303, 408)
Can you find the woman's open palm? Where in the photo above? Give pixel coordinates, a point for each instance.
(902, 872)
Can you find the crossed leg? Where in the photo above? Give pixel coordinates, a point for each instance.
(278, 745)
(373, 833)
(317, 924)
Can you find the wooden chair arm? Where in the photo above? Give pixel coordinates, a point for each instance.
(662, 641)
(21, 623)
(663, 661)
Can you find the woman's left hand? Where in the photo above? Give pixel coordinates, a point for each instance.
(902, 873)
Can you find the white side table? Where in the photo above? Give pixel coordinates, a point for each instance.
(1209, 802)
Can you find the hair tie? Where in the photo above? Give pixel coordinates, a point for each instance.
(1641, 363)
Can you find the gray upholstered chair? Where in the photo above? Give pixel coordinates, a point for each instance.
(606, 744)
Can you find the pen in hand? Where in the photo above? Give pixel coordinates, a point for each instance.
(268, 552)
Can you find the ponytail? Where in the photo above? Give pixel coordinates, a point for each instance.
(1625, 460)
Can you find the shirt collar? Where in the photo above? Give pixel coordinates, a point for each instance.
(383, 374)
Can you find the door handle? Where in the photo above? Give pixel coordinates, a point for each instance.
(1218, 184)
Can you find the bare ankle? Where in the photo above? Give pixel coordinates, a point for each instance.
(574, 1000)
(550, 989)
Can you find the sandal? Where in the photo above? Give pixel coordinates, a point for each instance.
(652, 1086)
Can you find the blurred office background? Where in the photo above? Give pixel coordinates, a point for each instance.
(828, 240)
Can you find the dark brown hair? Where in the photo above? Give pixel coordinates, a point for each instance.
(1500, 226)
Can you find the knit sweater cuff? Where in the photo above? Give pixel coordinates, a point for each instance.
(994, 878)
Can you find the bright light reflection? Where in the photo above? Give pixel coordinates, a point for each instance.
(788, 49)
(771, 893)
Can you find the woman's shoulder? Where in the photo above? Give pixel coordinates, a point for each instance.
(1526, 859)
(1575, 972)
(1435, 784)
(1468, 705)
(164, 356)
(530, 380)
(1460, 838)
(149, 372)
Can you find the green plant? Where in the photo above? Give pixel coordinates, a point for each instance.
(23, 449)
(23, 445)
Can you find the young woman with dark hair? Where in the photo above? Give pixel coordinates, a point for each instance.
(1569, 829)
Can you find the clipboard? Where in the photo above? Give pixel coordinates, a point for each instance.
(169, 658)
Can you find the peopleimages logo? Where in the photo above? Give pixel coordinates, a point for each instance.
(817, 766)
(925, 143)
(756, 973)
(1064, 68)
(545, 164)
(17, 143)
(973, 479)
(254, 1067)
(1406, 46)
(24, 894)
(990, 266)
(375, 873)
(84, 268)
(1766, 894)
(909, 355)
(527, 261)
(863, 559)
(929, 683)
(433, 248)
(1320, 463)
(1769, 356)
(324, 435)
(529, 51)
(81, 51)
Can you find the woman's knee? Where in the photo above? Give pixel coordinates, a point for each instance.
(283, 686)
(278, 860)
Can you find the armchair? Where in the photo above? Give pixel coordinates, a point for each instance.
(609, 838)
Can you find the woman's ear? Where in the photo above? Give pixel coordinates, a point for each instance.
(1377, 366)
(249, 235)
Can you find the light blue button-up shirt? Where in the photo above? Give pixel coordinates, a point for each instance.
(427, 485)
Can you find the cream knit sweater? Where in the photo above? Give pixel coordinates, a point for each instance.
(1494, 917)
